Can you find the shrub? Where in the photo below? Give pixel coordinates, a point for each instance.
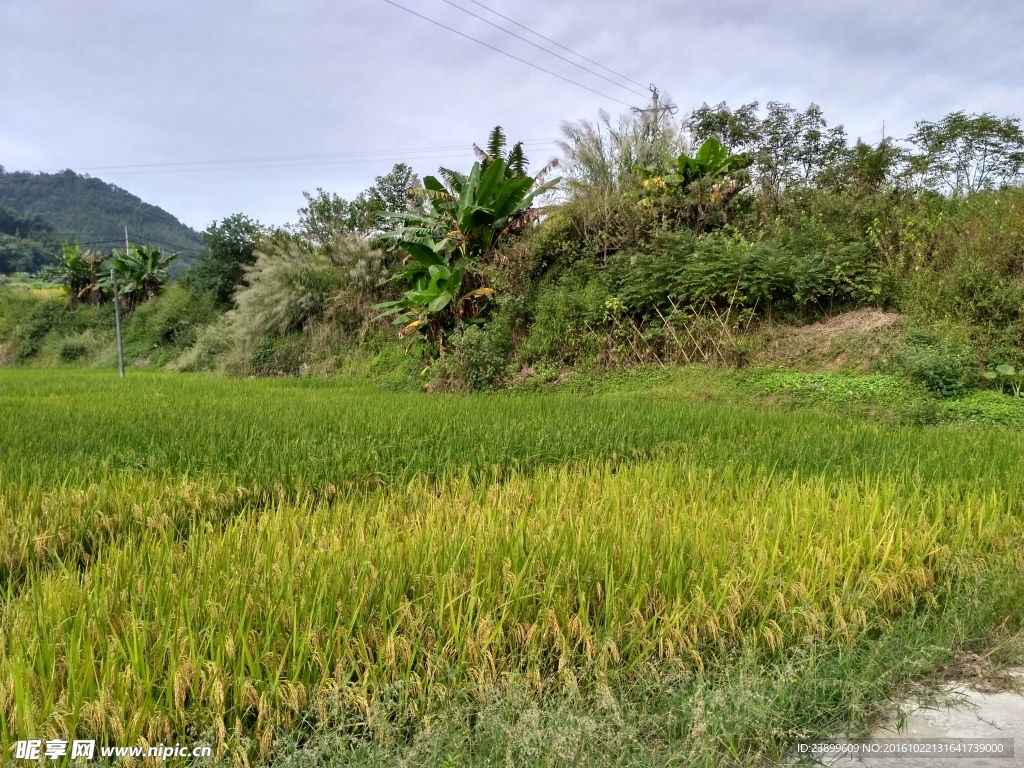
(72, 350)
(566, 311)
(289, 285)
(169, 324)
(278, 357)
(944, 368)
(213, 347)
(481, 355)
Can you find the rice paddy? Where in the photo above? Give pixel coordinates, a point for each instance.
(258, 562)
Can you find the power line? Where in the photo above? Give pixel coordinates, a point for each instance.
(542, 48)
(135, 241)
(372, 154)
(441, 156)
(505, 53)
(166, 168)
(553, 42)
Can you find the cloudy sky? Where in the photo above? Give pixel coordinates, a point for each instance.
(211, 108)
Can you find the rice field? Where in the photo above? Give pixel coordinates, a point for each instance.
(269, 562)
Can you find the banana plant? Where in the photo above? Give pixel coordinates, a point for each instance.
(1007, 375)
(712, 161)
(468, 218)
(80, 271)
(141, 272)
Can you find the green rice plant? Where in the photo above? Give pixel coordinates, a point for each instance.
(67, 428)
(564, 577)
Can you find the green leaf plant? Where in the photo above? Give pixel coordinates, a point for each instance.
(692, 190)
(1007, 376)
(468, 217)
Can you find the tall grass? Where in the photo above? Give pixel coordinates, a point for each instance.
(562, 578)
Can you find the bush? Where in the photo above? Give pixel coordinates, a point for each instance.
(278, 357)
(41, 319)
(212, 351)
(72, 350)
(168, 325)
(480, 355)
(942, 367)
(566, 312)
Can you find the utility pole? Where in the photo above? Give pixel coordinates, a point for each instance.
(657, 108)
(117, 309)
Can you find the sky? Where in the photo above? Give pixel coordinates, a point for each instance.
(213, 108)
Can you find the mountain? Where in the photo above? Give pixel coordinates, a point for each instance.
(26, 243)
(89, 211)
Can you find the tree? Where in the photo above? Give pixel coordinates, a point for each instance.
(785, 147)
(229, 247)
(397, 190)
(27, 243)
(865, 170)
(324, 217)
(327, 216)
(966, 153)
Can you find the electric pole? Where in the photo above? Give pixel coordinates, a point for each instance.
(657, 109)
(117, 309)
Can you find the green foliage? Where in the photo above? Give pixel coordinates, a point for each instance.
(72, 349)
(42, 318)
(162, 329)
(228, 248)
(467, 220)
(724, 269)
(964, 153)
(141, 273)
(82, 273)
(481, 354)
(565, 313)
(944, 368)
(1006, 376)
(215, 349)
(27, 243)
(277, 357)
(985, 408)
(786, 147)
(326, 216)
(711, 161)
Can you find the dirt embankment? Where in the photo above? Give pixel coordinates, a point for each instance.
(850, 340)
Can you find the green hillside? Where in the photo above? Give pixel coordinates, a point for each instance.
(26, 243)
(94, 213)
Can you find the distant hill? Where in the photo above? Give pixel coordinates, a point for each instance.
(93, 213)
